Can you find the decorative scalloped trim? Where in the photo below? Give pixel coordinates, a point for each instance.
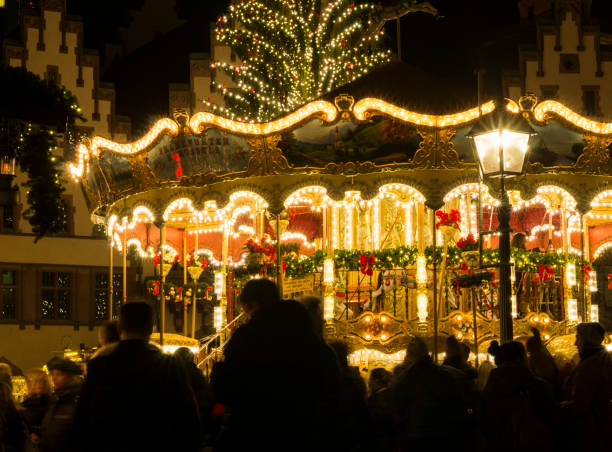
(557, 108)
(327, 109)
(363, 108)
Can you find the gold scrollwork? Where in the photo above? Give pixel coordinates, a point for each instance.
(436, 150)
(595, 156)
(266, 156)
(142, 173)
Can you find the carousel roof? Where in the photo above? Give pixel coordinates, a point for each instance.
(362, 141)
(413, 88)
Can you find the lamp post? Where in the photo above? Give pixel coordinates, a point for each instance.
(501, 142)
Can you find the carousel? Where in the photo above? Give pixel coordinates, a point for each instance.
(381, 211)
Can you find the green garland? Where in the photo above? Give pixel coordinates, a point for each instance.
(28, 100)
(472, 279)
(404, 256)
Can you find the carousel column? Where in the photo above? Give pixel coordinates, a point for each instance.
(564, 235)
(162, 277)
(550, 248)
(584, 240)
(184, 282)
(194, 297)
(421, 269)
(259, 221)
(223, 277)
(124, 249)
(110, 281)
(279, 270)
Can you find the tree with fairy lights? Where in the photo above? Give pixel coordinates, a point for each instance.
(290, 52)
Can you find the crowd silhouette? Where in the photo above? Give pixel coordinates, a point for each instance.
(280, 386)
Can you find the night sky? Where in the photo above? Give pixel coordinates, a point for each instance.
(468, 35)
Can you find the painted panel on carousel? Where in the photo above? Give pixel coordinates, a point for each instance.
(116, 170)
(380, 141)
(188, 155)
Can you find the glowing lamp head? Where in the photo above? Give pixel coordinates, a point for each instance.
(501, 143)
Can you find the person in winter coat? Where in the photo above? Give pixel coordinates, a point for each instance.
(201, 390)
(540, 362)
(56, 431)
(279, 380)
(380, 406)
(354, 416)
(518, 409)
(590, 389)
(12, 430)
(136, 397)
(426, 397)
(108, 337)
(36, 403)
(457, 354)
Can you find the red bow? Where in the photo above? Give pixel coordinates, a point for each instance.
(179, 167)
(609, 281)
(366, 264)
(156, 260)
(204, 264)
(284, 266)
(587, 273)
(155, 288)
(545, 272)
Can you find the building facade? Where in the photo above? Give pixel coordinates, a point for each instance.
(55, 291)
(571, 61)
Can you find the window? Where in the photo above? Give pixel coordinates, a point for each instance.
(549, 91)
(101, 294)
(590, 100)
(52, 76)
(56, 296)
(8, 295)
(569, 63)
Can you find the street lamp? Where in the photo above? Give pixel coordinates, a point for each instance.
(501, 143)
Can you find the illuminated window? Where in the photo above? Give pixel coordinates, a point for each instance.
(8, 294)
(101, 294)
(56, 295)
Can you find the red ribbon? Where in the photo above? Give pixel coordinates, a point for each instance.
(366, 264)
(155, 288)
(609, 281)
(156, 260)
(546, 271)
(179, 167)
(284, 266)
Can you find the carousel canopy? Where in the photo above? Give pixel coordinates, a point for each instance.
(367, 142)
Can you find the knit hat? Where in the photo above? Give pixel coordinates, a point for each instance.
(592, 333)
(64, 365)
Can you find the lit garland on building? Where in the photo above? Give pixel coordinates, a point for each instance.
(292, 51)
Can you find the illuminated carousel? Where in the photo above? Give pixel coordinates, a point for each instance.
(379, 210)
